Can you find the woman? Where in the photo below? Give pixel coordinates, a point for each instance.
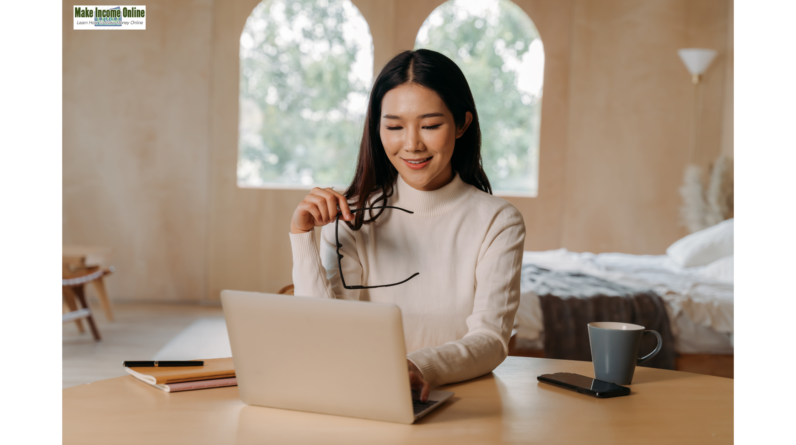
(421, 151)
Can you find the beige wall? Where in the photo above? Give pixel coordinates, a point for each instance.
(629, 119)
(152, 173)
(727, 144)
(135, 147)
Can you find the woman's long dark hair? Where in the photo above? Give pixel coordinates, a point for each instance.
(375, 173)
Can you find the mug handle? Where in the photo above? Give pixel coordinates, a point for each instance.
(657, 348)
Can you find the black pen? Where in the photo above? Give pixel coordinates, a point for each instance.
(162, 363)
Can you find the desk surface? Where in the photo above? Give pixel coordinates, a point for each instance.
(507, 406)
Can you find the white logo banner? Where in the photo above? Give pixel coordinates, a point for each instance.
(109, 17)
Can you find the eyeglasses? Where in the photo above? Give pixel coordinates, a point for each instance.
(340, 255)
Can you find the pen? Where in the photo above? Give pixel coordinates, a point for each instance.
(162, 363)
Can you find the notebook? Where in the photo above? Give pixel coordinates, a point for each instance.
(215, 373)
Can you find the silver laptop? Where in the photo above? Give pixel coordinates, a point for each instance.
(346, 358)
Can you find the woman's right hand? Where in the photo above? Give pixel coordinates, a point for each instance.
(318, 209)
(416, 381)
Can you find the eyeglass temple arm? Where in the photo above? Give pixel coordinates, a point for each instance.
(379, 207)
(382, 285)
(340, 256)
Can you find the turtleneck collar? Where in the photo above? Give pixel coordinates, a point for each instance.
(433, 203)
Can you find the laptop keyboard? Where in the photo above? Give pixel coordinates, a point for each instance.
(418, 406)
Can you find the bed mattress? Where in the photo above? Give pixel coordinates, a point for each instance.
(700, 309)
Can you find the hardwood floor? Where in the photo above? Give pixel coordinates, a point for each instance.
(138, 332)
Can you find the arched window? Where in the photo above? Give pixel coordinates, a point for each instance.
(499, 50)
(306, 69)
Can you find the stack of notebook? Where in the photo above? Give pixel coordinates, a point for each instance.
(215, 373)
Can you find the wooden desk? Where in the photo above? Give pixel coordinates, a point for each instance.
(507, 406)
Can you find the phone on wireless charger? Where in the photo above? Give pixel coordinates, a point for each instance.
(584, 385)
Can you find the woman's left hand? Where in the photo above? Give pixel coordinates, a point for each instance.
(416, 381)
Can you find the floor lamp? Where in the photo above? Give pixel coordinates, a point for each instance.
(697, 61)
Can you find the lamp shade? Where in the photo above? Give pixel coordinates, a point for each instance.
(696, 60)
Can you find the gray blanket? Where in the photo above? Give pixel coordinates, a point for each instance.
(572, 300)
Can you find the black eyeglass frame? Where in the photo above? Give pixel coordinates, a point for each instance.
(340, 255)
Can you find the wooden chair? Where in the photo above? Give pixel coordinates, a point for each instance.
(287, 290)
(74, 265)
(73, 289)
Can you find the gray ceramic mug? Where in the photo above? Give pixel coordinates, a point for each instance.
(614, 350)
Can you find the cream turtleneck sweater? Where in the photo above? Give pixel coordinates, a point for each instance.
(467, 246)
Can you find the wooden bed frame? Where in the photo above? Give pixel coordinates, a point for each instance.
(719, 365)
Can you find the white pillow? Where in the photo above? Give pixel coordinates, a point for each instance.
(719, 270)
(703, 247)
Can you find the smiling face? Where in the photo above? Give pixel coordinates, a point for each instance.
(418, 133)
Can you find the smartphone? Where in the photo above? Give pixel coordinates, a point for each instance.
(584, 385)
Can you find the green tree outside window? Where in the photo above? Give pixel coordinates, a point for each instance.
(306, 68)
(498, 48)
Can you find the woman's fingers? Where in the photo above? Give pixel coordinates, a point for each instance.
(313, 211)
(426, 391)
(417, 382)
(333, 201)
(319, 207)
(328, 205)
(343, 203)
(320, 203)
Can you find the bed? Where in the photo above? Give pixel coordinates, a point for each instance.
(694, 280)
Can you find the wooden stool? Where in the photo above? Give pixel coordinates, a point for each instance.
(73, 287)
(287, 290)
(77, 259)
